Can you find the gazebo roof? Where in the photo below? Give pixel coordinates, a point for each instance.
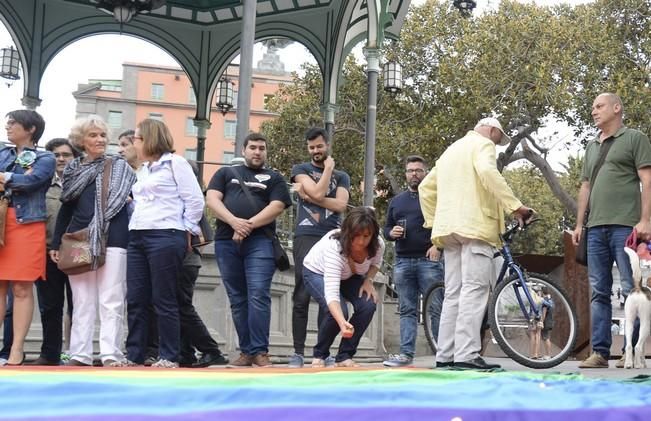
(204, 35)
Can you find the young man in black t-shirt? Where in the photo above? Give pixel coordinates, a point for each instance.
(322, 198)
(243, 250)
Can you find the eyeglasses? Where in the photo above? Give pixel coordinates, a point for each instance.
(415, 171)
(62, 154)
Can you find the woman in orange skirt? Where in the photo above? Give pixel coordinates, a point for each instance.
(25, 175)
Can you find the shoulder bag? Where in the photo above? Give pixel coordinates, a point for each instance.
(4, 204)
(74, 252)
(581, 256)
(280, 256)
(206, 234)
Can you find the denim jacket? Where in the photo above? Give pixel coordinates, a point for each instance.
(28, 190)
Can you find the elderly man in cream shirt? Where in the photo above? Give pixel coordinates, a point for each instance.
(464, 199)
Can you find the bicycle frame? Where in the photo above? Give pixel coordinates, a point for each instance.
(514, 267)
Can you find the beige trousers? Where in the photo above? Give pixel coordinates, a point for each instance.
(469, 273)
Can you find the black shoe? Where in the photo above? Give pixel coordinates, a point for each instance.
(443, 365)
(476, 364)
(210, 358)
(187, 362)
(44, 361)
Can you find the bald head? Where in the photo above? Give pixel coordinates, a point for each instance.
(607, 112)
(613, 99)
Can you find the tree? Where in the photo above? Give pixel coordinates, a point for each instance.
(525, 63)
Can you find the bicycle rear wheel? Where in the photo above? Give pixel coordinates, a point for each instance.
(536, 343)
(431, 311)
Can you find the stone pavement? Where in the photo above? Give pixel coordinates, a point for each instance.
(569, 366)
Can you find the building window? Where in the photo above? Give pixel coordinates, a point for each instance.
(267, 98)
(230, 127)
(115, 119)
(228, 157)
(235, 94)
(157, 91)
(190, 128)
(156, 116)
(190, 154)
(192, 98)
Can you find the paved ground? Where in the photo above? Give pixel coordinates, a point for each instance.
(566, 367)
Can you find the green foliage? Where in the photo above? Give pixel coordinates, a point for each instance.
(524, 63)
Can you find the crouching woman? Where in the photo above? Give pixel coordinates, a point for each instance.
(343, 264)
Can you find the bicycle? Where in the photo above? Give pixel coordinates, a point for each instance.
(529, 315)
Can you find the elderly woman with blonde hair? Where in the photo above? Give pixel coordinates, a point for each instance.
(82, 207)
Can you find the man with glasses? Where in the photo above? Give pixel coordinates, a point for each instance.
(52, 292)
(417, 264)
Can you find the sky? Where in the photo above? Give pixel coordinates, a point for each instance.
(97, 58)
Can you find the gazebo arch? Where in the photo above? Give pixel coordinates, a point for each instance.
(203, 37)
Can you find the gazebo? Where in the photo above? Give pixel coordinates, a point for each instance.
(204, 36)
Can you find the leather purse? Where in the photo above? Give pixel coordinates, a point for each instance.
(4, 204)
(74, 252)
(207, 234)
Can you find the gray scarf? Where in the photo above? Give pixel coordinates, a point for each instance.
(77, 175)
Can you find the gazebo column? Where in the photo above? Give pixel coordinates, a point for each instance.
(202, 127)
(372, 70)
(329, 110)
(246, 74)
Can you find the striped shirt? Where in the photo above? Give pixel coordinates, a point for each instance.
(325, 258)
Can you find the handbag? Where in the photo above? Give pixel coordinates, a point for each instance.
(74, 253)
(4, 204)
(207, 234)
(280, 255)
(581, 256)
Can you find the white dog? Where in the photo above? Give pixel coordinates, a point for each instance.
(638, 304)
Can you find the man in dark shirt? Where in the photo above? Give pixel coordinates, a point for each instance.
(322, 197)
(417, 264)
(243, 249)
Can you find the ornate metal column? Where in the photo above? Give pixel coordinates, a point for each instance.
(372, 70)
(202, 126)
(246, 74)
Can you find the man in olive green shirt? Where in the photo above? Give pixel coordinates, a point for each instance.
(617, 205)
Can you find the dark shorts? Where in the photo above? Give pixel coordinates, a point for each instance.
(545, 334)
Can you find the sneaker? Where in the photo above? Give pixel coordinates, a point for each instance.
(318, 363)
(243, 361)
(3, 362)
(65, 357)
(165, 364)
(349, 363)
(296, 361)
(330, 361)
(124, 363)
(400, 360)
(595, 360)
(150, 361)
(76, 363)
(262, 360)
(620, 362)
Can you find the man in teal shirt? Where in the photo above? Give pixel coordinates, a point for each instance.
(617, 205)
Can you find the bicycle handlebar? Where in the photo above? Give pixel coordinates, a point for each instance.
(514, 227)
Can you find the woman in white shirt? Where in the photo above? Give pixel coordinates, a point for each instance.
(168, 204)
(343, 264)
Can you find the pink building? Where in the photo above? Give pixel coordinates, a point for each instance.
(165, 93)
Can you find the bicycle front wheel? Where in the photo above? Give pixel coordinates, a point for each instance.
(541, 341)
(431, 311)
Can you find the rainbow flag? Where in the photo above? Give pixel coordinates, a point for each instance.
(67, 393)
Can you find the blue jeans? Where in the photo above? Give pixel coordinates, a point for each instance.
(413, 277)
(605, 246)
(247, 270)
(154, 260)
(363, 310)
